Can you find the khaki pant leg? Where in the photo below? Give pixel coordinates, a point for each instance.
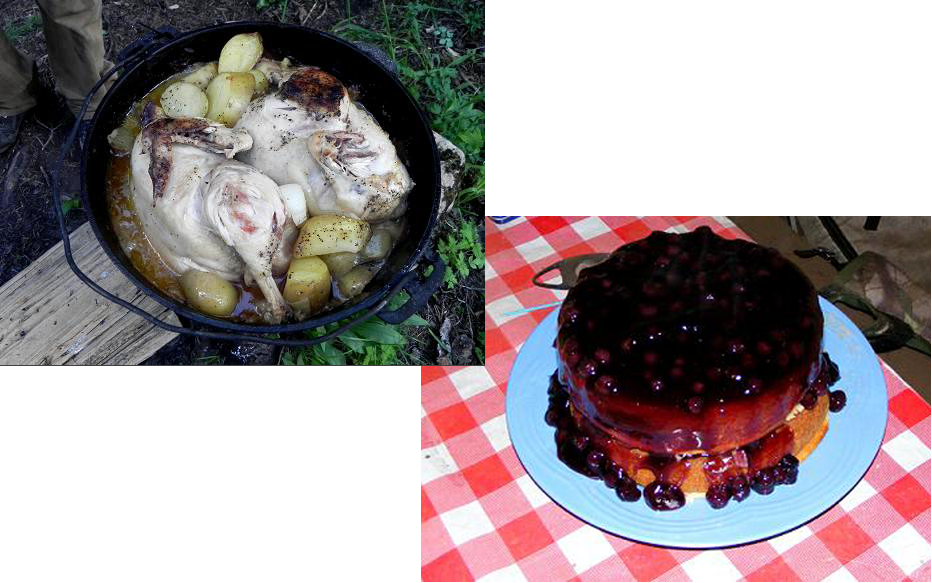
(74, 35)
(16, 80)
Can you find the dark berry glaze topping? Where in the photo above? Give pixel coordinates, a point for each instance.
(690, 343)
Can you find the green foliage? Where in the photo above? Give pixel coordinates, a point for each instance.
(371, 342)
(462, 252)
(15, 30)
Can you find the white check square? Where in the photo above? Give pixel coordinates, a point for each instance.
(471, 381)
(788, 540)
(489, 271)
(590, 227)
(534, 495)
(510, 573)
(466, 522)
(498, 309)
(711, 566)
(907, 548)
(907, 450)
(436, 462)
(841, 574)
(535, 249)
(497, 431)
(859, 494)
(585, 548)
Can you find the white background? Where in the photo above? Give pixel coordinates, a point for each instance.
(286, 474)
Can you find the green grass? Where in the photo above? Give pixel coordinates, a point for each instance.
(15, 30)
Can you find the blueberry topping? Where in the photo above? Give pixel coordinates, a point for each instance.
(628, 490)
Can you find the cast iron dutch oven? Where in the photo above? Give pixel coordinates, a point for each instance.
(165, 54)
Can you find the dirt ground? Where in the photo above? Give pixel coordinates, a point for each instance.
(27, 220)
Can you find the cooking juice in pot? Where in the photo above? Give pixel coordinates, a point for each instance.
(346, 275)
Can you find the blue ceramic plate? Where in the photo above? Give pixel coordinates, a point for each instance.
(830, 472)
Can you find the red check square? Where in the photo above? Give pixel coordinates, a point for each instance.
(487, 476)
(452, 420)
(546, 225)
(776, 570)
(909, 407)
(845, 539)
(447, 567)
(908, 496)
(427, 509)
(525, 535)
(647, 563)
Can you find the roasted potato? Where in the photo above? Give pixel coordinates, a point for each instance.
(209, 293)
(262, 83)
(295, 203)
(229, 95)
(182, 99)
(325, 234)
(307, 286)
(355, 280)
(202, 75)
(379, 245)
(240, 53)
(340, 263)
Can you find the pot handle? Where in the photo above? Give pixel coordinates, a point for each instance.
(419, 290)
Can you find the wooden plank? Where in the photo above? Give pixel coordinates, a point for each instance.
(48, 316)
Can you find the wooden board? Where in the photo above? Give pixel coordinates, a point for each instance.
(48, 316)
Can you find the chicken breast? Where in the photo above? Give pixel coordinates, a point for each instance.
(310, 132)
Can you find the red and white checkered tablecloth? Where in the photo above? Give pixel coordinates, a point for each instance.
(482, 517)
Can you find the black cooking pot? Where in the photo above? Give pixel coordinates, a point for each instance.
(165, 54)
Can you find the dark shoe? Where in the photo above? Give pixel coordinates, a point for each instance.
(9, 129)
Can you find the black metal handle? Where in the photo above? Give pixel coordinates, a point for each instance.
(419, 291)
(158, 38)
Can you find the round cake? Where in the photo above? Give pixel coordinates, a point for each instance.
(691, 364)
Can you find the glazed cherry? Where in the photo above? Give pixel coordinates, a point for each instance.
(789, 461)
(611, 473)
(695, 405)
(740, 488)
(763, 482)
(717, 496)
(836, 401)
(662, 496)
(627, 490)
(594, 460)
(809, 399)
(580, 441)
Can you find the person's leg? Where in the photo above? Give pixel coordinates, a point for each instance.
(15, 80)
(75, 41)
